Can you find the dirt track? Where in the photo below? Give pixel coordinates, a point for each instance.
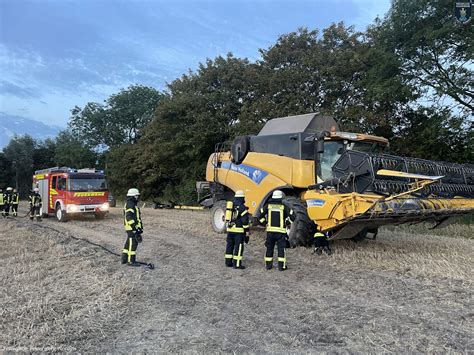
(400, 293)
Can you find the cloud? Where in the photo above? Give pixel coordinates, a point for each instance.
(17, 90)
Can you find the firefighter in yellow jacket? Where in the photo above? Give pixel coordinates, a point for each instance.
(35, 204)
(7, 200)
(237, 218)
(15, 202)
(2, 202)
(276, 215)
(133, 226)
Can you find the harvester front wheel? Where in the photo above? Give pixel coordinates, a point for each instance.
(300, 231)
(218, 216)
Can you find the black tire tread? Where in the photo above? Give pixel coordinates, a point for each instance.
(302, 232)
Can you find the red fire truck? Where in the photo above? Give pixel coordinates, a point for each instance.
(66, 192)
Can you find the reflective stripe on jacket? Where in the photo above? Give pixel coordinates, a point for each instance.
(35, 199)
(237, 216)
(132, 216)
(274, 214)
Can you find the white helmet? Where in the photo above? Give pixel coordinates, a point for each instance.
(36, 189)
(9, 188)
(277, 195)
(133, 192)
(239, 193)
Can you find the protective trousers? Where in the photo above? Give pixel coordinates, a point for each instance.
(129, 252)
(6, 209)
(234, 250)
(35, 211)
(14, 209)
(2, 208)
(280, 240)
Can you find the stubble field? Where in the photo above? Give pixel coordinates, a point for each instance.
(408, 291)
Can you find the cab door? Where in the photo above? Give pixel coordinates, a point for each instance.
(62, 190)
(53, 193)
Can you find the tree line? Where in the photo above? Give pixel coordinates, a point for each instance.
(408, 77)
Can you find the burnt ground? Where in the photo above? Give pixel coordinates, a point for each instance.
(403, 292)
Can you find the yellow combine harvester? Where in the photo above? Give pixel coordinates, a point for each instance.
(337, 182)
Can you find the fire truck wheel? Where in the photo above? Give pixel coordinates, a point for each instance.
(60, 214)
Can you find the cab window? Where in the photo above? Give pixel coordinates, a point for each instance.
(53, 183)
(332, 152)
(61, 183)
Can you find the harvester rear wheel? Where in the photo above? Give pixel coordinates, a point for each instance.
(301, 229)
(218, 216)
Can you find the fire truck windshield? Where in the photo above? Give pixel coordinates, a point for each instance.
(87, 184)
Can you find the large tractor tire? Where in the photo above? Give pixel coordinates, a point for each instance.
(300, 232)
(239, 149)
(218, 216)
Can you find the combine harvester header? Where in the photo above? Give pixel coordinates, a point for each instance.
(338, 182)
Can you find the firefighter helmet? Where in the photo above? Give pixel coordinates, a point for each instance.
(239, 193)
(133, 192)
(277, 195)
(9, 188)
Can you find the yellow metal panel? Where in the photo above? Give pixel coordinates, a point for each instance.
(303, 173)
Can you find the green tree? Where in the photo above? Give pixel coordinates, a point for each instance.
(20, 152)
(340, 72)
(7, 174)
(120, 120)
(436, 52)
(71, 151)
(201, 109)
(43, 155)
(434, 134)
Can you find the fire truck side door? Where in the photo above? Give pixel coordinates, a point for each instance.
(61, 189)
(52, 193)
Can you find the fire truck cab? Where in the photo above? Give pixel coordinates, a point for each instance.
(67, 192)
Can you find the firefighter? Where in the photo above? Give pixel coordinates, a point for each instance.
(276, 215)
(133, 226)
(2, 203)
(7, 200)
(35, 204)
(15, 202)
(321, 244)
(237, 218)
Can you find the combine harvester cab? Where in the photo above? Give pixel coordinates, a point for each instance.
(336, 182)
(70, 192)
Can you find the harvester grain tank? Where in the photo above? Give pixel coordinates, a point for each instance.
(338, 182)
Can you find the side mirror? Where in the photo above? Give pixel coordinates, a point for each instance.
(320, 146)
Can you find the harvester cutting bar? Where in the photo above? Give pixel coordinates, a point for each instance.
(358, 172)
(402, 210)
